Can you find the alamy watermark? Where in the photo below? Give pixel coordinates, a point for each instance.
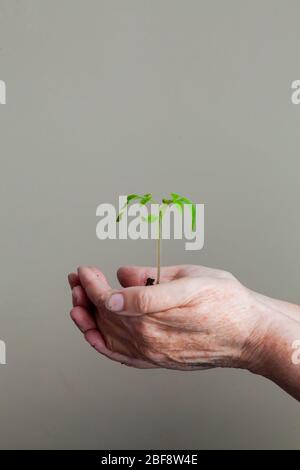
(296, 354)
(135, 225)
(2, 92)
(295, 97)
(2, 352)
(2, 101)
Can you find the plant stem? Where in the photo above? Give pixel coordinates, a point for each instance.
(158, 247)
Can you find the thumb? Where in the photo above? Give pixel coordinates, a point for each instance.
(143, 300)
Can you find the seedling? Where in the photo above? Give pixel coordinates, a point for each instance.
(176, 200)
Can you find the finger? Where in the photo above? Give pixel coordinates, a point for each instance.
(137, 275)
(95, 339)
(95, 284)
(87, 325)
(73, 279)
(79, 297)
(143, 300)
(83, 319)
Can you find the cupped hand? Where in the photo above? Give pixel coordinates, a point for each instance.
(195, 318)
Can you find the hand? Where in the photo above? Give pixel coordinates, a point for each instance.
(196, 318)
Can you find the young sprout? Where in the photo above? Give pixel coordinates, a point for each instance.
(176, 200)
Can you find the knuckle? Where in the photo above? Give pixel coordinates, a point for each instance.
(100, 301)
(142, 302)
(89, 337)
(73, 313)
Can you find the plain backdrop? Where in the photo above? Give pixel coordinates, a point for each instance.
(109, 97)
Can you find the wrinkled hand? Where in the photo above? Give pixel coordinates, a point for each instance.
(196, 318)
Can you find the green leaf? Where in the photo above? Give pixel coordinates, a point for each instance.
(150, 218)
(145, 199)
(185, 200)
(130, 198)
(133, 196)
(177, 200)
(194, 209)
(192, 205)
(179, 206)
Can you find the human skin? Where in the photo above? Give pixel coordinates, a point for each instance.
(196, 318)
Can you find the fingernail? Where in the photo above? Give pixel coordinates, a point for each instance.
(83, 269)
(115, 303)
(88, 273)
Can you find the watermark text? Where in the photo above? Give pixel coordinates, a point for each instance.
(295, 97)
(2, 92)
(2, 352)
(135, 225)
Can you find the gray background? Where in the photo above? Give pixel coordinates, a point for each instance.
(112, 97)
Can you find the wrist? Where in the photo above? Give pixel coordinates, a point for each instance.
(271, 350)
(258, 344)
